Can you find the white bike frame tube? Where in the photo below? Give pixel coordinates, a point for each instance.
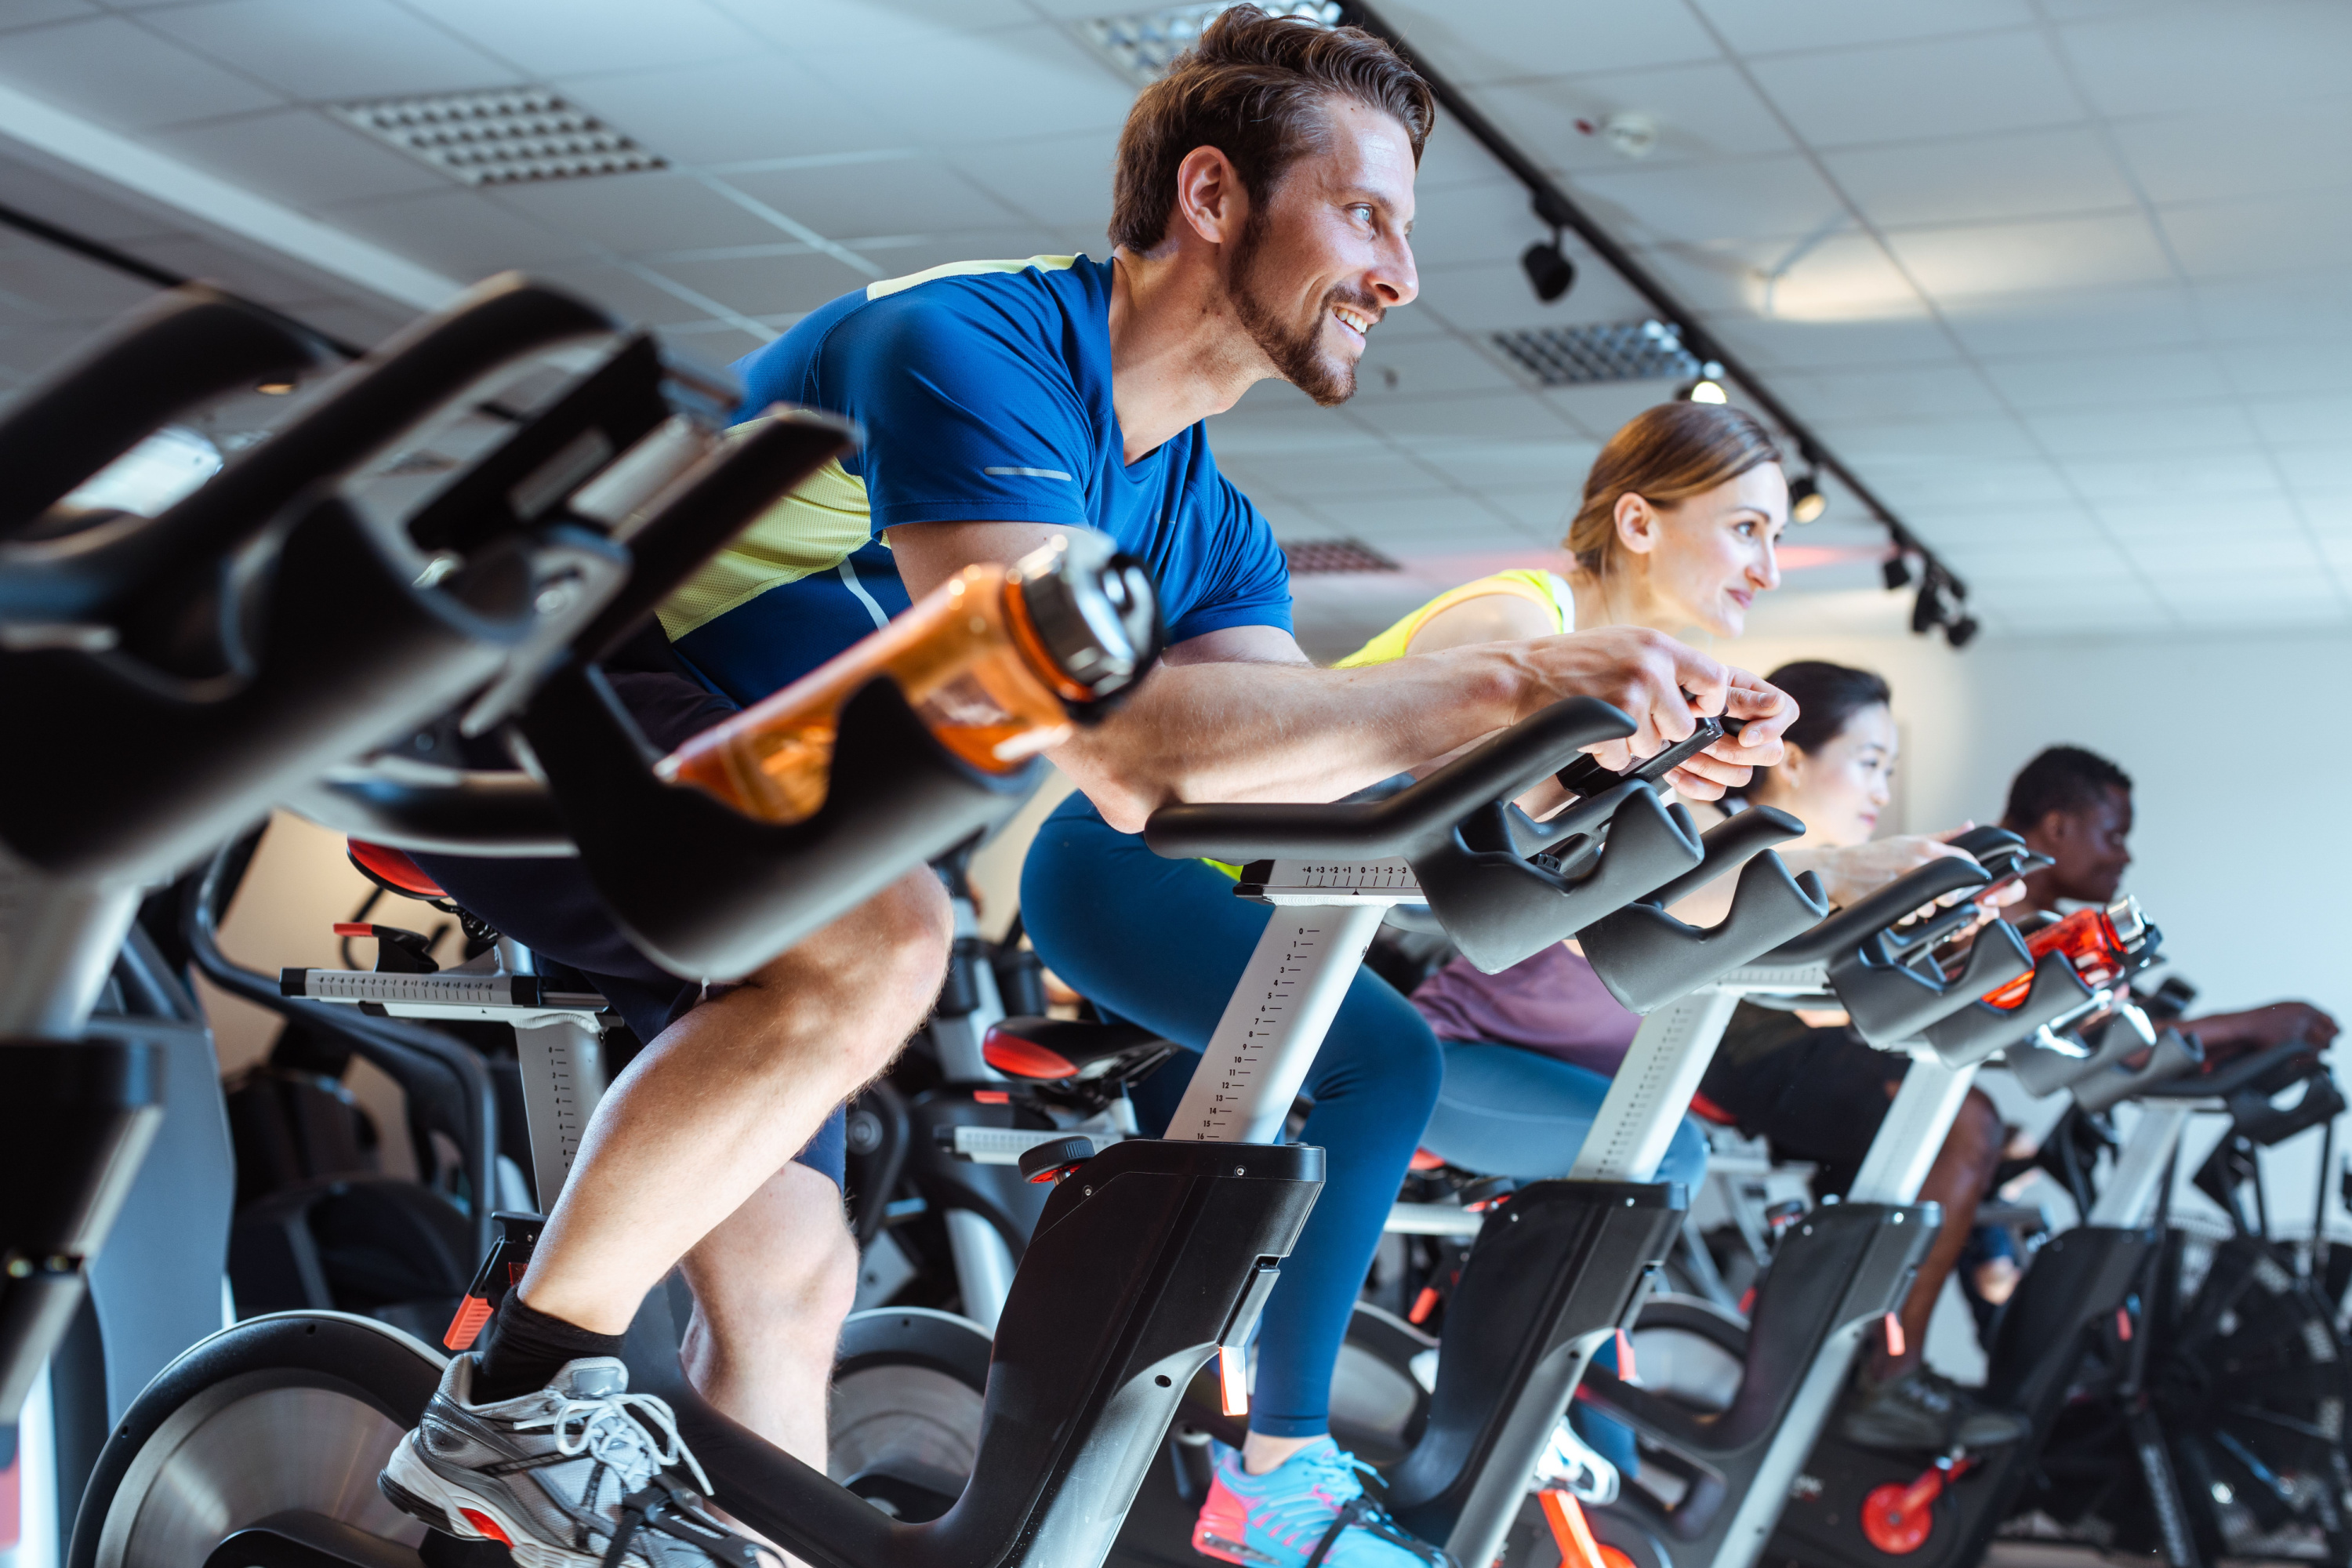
(1274, 1024)
(1913, 1133)
(57, 943)
(2129, 1198)
(984, 1266)
(1653, 1086)
(562, 1059)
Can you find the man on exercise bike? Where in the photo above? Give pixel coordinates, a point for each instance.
(1264, 194)
(2075, 806)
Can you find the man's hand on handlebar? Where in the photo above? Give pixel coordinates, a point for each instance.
(2259, 1028)
(1660, 684)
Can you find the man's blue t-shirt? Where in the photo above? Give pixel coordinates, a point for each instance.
(984, 389)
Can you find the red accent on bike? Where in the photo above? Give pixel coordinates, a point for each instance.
(1897, 1519)
(2091, 943)
(387, 865)
(1422, 1160)
(1233, 1380)
(1573, 1534)
(487, 1525)
(1895, 1340)
(1748, 1300)
(991, 1096)
(467, 1326)
(1016, 1057)
(1706, 1110)
(1422, 1305)
(1625, 1371)
(2122, 1325)
(354, 928)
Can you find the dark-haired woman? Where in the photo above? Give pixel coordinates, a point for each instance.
(1677, 520)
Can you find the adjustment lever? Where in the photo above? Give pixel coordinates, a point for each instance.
(1586, 777)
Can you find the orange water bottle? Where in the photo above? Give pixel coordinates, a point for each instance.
(998, 660)
(2099, 942)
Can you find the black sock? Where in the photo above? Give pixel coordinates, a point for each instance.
(526, 1348)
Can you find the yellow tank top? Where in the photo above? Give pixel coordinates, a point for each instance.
(1545, 588)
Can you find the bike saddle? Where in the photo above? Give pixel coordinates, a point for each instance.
(1052, 1050)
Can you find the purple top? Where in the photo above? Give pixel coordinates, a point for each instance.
(1552, 1004)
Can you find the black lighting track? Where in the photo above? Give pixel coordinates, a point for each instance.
(1555, 207)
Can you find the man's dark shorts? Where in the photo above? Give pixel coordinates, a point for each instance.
(549, 906)
(1817, 1095)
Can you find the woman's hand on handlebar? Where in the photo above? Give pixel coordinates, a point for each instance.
(1852, 872)
(1660, 684)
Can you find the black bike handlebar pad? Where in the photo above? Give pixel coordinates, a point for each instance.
(500, 815)
(133, 774)
(707, 891)
(1464, 841)
(1974, 1032)
(177, 351)
(434, 363)
(2173, 1055)
(1648, 958)
(2040, 1070)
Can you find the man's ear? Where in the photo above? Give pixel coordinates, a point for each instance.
(1637, 523)
(1211, 200)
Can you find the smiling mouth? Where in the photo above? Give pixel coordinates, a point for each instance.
(1741, 598)
(1355, 320)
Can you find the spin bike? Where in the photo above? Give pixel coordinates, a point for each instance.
(254, 634)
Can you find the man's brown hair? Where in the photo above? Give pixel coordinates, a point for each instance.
(1253, 87)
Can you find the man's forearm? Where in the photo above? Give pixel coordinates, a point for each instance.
(1284, 732)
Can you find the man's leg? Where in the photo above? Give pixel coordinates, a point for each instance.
(710, 1112)
(1959, 1180)
(772, 1285)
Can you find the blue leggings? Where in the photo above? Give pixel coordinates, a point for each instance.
(1505, 1112)
(1163, 943)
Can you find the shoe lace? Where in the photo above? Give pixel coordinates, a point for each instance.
(635, 1434)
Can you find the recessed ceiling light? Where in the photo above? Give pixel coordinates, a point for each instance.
(504, 137)
(1598, 351)
(1141, 45)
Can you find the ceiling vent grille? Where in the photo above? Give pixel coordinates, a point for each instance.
(1140, 46)
(508, 137)
(1601, 350)
(1310, 556)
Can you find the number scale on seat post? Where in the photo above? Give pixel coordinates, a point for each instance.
(1325, 915)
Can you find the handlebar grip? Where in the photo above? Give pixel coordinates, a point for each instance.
(1856, 924)
(2173, 1057)
(1413, 819)
(494, 815)
(1729, 846)
(1971, 1033)
(1647, 958)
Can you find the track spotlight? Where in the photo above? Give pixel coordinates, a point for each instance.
(1927, 610)
(1896, 571)
(1806, 501)
(1958, 633)
(1707, 388)
(1551, 273)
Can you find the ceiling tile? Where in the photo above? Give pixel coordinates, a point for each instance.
(84, 210)
(1986, 528)
(773, 109)
(57, 283)
(2313, 466)
(1497, 39)
(2251, 149)
(1269, 432)
(2173, 517)
(1751, 198)
(2288, 420)
(2103, 432)
(34, 13)
(1895, 92)
(352, 49)
(1475, 222)
(1990, 569)
(2155, 60)
(1700, 111)
(2076, 321)
(2281, 235)
(2032, 173)
(1560, 464)
(1780, 343)
(2301, 306)
(301, 156)
(1928, 392)
(1504, 417)
(458, 232)
(1846, 276)
(119, 73)
(766, 286)
(1428, 524)
(1496, 297)
(1425, 366)
(2285, 369)
(1769, 26)
(1312, 478)
(1038, 82)
(1955, 443)
(545, 38)
(907, 196)
(2210, 558)
(1600, 410)
(634, 213)
(2074, 381)
(809, 27)
(1059, 181)
(2052, 253)
(2215, 475)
